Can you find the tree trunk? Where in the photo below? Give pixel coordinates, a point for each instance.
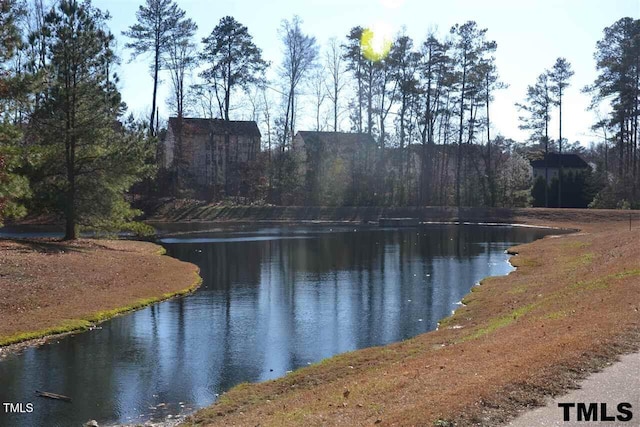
(546, 156)
(156, 68)
(71, 228)
(560, 152)
(460, 130)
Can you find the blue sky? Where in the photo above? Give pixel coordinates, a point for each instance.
(530, 36)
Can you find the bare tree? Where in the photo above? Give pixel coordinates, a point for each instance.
(318, 90)
(300, 56)
(336, 69)
(205, 99)
(181, 59)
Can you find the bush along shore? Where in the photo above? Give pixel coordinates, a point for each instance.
(571, 307)
(49, 287)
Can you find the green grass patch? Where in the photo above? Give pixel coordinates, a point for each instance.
(446, 322)
(576, 245)
(79, 325)
(524, 262)
(243, 388)
(590, 285)
(65, 327)
(586, 259)
(557, 315)
(581, 260)
(518, 290)
(466, 300)
(603, 282)
(627, 273)
(500, 322)
(296, 416)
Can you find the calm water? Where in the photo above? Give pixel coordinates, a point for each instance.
(272, 300)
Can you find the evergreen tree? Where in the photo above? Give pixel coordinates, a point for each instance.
(88, 158)
(232, 59)
(618, 62)
(471, 48)
(9, 35)
(157, 23)
(434, 70)
(13, 187)
(404, 61)
(538, 110)
(559, 77)
(356, 64)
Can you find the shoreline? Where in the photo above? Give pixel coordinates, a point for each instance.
(492, 406)
(288, 400)
(149, 258)
(17, 344)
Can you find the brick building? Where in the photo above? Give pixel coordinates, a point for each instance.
(211, 153)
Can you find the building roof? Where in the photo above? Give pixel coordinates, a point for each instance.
(330, 138)
(194, 126)
(554, 159)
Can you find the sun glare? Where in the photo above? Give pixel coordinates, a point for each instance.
(376, 42)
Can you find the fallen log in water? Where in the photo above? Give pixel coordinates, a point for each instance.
(52, 396)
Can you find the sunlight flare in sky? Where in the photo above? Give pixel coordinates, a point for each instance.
(376, 41)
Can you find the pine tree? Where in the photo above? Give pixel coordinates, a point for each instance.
(618, 62)
(538, 109)
(233, 61)
(559, 77)
(434, 70)
(470, 48)
(157, 22)
(89, 158)
(13, 187)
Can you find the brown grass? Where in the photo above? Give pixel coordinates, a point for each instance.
(572, 305)
(49, 287)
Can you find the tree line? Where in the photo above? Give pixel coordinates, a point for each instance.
(68, 146)
(63, 123)
(426, 104)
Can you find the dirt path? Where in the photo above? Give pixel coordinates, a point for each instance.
(49, 287)
(571, 307)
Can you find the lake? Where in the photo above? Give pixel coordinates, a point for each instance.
(273, 299)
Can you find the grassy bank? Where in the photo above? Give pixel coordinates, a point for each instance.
(571, 306)
(49, 287)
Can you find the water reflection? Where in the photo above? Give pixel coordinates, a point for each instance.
(272, 300)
